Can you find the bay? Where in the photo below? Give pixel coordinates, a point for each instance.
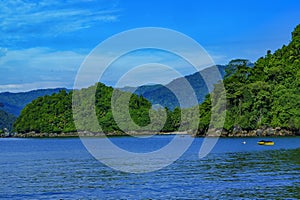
(64, 169)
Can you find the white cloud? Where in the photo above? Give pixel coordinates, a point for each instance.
(30, 86)
(20, 18)
(38, 68)
(41, 59)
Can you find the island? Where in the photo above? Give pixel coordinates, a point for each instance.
(262, 99)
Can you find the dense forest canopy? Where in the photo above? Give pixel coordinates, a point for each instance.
(266, 95)
(53, 114)
(47, 114)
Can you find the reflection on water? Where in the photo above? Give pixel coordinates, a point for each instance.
(63, 169)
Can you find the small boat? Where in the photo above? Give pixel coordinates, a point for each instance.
(266, 142)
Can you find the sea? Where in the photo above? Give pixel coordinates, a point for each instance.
(235, 168)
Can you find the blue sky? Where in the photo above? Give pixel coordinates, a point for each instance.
(43, 43)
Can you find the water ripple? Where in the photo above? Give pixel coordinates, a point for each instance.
(63, 169)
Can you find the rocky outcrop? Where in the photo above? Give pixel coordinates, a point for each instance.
(237, 132)
(44, 135)
(263, 132)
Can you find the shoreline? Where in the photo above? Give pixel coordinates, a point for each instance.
(267, 132)
(87, 134)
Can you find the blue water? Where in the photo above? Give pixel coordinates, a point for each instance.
(63, 169)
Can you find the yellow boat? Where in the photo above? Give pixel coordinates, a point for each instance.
(265, 142)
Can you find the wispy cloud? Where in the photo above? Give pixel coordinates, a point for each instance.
(38, 68)
(30, 86)
(20, 18)
(40, 58)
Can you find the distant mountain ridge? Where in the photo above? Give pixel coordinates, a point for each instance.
(13, 103)
(162, 94)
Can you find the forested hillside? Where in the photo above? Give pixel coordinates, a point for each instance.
(47, 114)
(13, 103)
(53, 114)
(267, 95)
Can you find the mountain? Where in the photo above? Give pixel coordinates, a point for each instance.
(266, 96)
(141, 89)
(13, 103)
(6, 120)
(163, 95)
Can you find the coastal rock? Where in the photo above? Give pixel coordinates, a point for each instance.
(269, 132)
(265, 132)
(44, 135)
(236, 130)
(259, 132)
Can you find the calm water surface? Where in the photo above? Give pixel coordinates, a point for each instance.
(63, 169)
